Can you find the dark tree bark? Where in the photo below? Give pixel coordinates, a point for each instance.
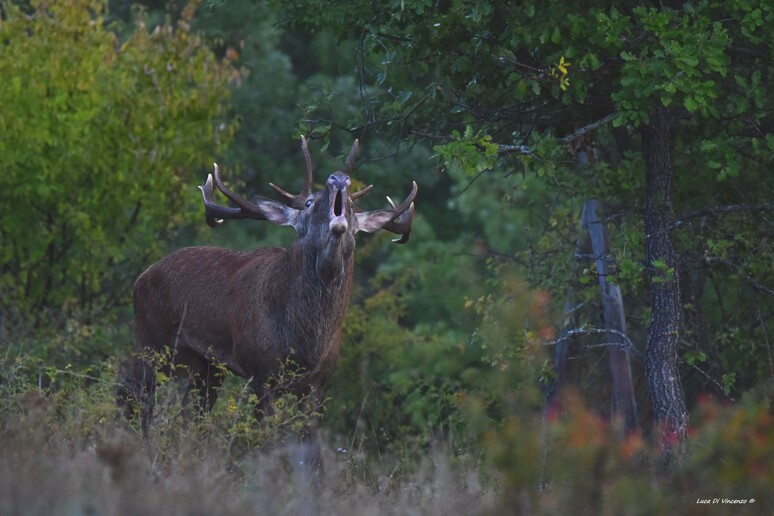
(661, 357)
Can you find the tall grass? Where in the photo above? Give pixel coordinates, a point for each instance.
(67, 450)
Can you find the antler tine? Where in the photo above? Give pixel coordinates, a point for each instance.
(308, 180)
(404, 212)
(350, 163)
(402, 215)
(360, 193)
(248, 209)
(407, 202)
(297, 201)
(402, 225)
(246, 206)
(215, 213)
(289, 197)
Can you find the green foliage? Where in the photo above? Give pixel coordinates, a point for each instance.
(490, 88)
(675, 61)
(265, 99)
(514, 324)
(396, 390)
(65, 405)
(100, 137)
(551, 464)
(450, 341)
(473, 153)
(109, 469)
(396, 404)
(77, 347)
(249, 427)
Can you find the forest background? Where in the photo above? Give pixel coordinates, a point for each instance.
(582, 317)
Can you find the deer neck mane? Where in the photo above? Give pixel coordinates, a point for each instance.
(318, 298)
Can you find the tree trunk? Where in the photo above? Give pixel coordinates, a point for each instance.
(624, 401)
(562, 352)
(661, 357)
(596, 241)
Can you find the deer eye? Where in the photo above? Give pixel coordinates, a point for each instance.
(308, 203)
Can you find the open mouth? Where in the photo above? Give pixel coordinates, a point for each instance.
(338, 204)
(338, 223)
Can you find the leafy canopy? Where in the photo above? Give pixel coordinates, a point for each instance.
(99, 136)
(499, 88)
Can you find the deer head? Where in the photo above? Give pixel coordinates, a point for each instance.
(333, 206)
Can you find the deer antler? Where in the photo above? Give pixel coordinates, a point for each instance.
(402, 224)
(400, 216)
(298, 201)
(215, 213)
(360, 193)
(397, 220)
(350, 163)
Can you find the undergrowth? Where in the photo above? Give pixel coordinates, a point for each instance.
(68, 449)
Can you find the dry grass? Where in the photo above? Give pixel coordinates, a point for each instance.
(71, 453)
(66, 450)
(118, 477)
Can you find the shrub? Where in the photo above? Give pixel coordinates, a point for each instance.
(99, 136)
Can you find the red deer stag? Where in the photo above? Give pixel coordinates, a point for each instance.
(253, 310)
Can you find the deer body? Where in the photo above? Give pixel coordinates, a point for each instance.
(267, 319)
(252, 311)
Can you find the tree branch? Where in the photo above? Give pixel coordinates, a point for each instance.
(730, 208)
(626, 344)
(586, 128)
(737, 269)
(712, 380)
(524, 150)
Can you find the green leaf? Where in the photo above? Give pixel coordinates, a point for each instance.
(82, 115)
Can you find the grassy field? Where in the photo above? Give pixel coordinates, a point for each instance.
(69, 451)
(121, 475)
(66, 449)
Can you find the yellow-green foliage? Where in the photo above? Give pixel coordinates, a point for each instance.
(101, 135)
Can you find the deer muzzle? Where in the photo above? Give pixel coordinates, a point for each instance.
(338, 183)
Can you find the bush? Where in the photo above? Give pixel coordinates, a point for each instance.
(99, 136)
(572, 458)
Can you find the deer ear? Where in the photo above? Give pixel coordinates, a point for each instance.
(373, 220)
(277, 213)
